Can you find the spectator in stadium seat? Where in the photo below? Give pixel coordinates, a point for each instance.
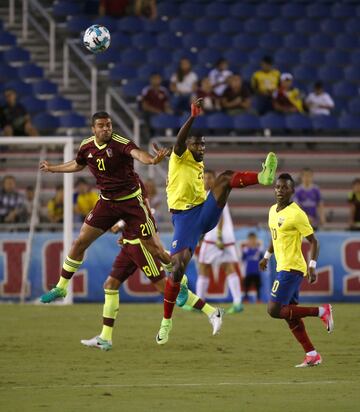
(205, 91)
(354, 202)
(114, 8)
(218, 76)
(182, 85)
(308, 197)
(287, 99)
(319, 102)
(146, 8)
(236, 98)
(12, 202)
(55, 206)
(264, 82)
(85, 199)
(14, 119)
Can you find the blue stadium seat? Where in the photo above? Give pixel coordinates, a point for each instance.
(268, 10)
(145, 71)
(109, 22)
(318, 10)
(165, 121)
(296, 41)
(191, 10)
(59, 104)
(281, 25)
(134, 87)
(7, 73)
(347, 41)
(200, 124)
(297, 122)
(273, 121)
(16, 56)
(7, 40)
(243, 10)
(219, 121)
(330, 74)
(169, 41)
(201, 70)
(193, 40)
(219, 41)
(355, 58)
(349, 122)
(66, 8)
(185, 54)
(120, 40)
(159, 56)
(321, 41)
(133, 56)
(305, 26)
(144, 41)
(332, 26)
(21, 88)
(256, 55)
(72, 120)
(341, 10)
(245, 41)
(312, 57)
(181, 25)
(45, 122)
(352, 26)
(206, 25)
(293, 10)
(169, 70)
(246, 122)
(286, 57)
(305, 74)
(337, 57)
(168, 9)
(31, 72)
(217, 10)
(103, 59)
(33, 105)
(271, 41)
(329, 123)
(45, 87)
(130, 24)
(256, 26)
(230, 25)
(345, 90)
(209, 56)
(236, 57)
(156, 26)
(121, 72)
(248, 70)
(354, 106)
(78, 23)
(352, 74)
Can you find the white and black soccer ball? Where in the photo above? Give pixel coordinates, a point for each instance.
(97, 38)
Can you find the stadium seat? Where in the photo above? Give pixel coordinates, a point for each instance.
(256, 26)
(229, 25)
(286, 57)
(31, 72)
(296, 41)
(134, 87)
(326, 123)
(298, 122)
(120, 40)
(62, 9)
(144, 41)
(170, 41)
(76, 23)
(256, 55)
(111, 23)
(332, 26)
(243, 10)
(169, 70)
(341, 10)
(72, 120)
(165, 121)
(305, 26)
(191, 10)
(130, 24)
(236, 58)
(345, 89)
(273, 121)
(219, 121)
(16, 56)
(321, 41)
(145, 71)
(247, 122)
(312, 57)
(352, 26)
(132, 56)
(248, 70)
(349, 122)
(21, 88)
(33, 105)
(347, 41)
(121, 72)
(268, 10)
(201, 70)
(219, 41)
(330, 74)
(178, 54)
(205, 25)
(209, 56)
(159, 56)
(7, 73)
(318, 10)
(168, 9)
(281, 25)
(45, 122)
(7, 40)
(45, 88)
(354, 106)
(156, 26)
(337, 57)
(355, 58)
(193, 40)
(217, 10)
(245, 41)
(352, 74)
(305, 74)
(293, 10)
(200, 124)
(271, 41)
(59, 104)
(181, 25)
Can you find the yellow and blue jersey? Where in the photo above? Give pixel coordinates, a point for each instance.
(288, 227)
(185, 188)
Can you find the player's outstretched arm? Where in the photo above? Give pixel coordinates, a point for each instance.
(68, 167)
(314, 253)
(148, 159)
(180, 145)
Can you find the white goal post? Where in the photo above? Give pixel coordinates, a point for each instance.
(68, 154)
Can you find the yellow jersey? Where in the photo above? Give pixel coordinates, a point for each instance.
(265, 82)
(288, 227)
(185, 185)
(86, 202)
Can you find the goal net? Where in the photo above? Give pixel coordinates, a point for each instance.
(28, 259)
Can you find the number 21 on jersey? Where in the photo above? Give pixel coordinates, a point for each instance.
(100, 164)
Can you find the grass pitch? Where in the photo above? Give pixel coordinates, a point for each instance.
(248, 367)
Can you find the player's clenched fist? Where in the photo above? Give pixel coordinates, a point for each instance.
(196, 107)
(44, 166)
(263, 264)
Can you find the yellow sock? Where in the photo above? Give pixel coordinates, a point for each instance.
(63, 283)
(106, 332)
(110, 311)
(208, 309)
(192, 299)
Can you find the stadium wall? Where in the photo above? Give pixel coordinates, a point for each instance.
(338, 269)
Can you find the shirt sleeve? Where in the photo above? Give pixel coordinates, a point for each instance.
(329, 101)
(128, 147)
(303, 225)
(80, 157)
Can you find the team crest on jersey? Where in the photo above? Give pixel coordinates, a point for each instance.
(109, 152)
(281, 221)
(174, 244)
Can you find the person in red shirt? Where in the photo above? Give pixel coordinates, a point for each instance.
(110, 159)
(236, 98)
(205, 91)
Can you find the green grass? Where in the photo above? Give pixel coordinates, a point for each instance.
(249, 367)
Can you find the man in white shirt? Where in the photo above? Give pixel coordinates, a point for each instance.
(218, 76)
(319, 102)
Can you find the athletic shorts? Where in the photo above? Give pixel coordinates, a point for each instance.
(190, 224)
(134, 212)
(133, 257)
(210, 254)
(286, 287)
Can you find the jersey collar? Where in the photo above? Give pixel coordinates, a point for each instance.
(98, 146)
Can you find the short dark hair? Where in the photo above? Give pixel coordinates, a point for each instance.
(59, 187)
(307, 169)
(356, 180)
(287, 176)
(81, 180)
(194, 135)
(251, 234)
(99, 115)
(267, 59)
(318, 85)
(210, 172)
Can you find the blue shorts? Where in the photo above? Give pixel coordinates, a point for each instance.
(190, 224)
(286, 287)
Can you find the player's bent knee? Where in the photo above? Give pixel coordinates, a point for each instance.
(273, 312)
(111, 283)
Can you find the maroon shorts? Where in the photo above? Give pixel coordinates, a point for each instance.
(134, 212)
(133, 257)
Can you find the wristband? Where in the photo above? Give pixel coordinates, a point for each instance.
(267, 255)
(312, 264)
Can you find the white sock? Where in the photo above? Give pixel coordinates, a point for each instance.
(202, 284)
(234, 286)
(311, 353)
(321, 311)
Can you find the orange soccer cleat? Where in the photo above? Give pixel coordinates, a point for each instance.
(327, 317)
(310, 361)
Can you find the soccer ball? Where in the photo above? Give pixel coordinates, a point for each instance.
(96, 38)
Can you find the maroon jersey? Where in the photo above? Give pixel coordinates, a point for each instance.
(155, 97)
(111, 164)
